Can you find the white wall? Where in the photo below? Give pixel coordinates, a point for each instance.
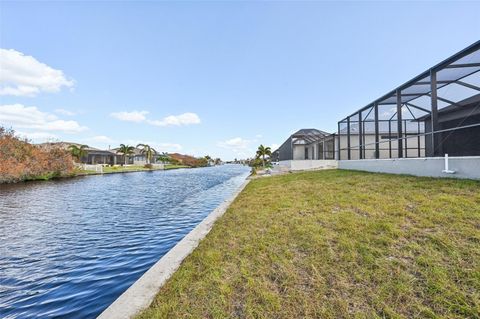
(302, 165)
(464, 167)
(298, 152)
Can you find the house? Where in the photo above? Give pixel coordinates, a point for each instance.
(306, 149)
(302, 145)
(428, 126)
(433, 114)
(94, 155)
(137, 157)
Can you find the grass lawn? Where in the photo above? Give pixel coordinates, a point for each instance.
(172, 166)
(114, 169)
(129, 168)
(336, 244)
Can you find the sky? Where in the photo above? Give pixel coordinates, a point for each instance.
(211, 77)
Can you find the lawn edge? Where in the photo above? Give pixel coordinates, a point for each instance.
(141, 294)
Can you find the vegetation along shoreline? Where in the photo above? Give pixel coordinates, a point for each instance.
(23, 161)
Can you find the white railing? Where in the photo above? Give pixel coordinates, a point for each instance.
(98, 168)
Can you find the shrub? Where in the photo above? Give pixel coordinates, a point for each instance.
(20, 160)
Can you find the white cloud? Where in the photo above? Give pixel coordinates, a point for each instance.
(172, 120)
(102, 138)
(237, 145)
(23, 75)
(168, 147)
(274, 147)
(390, 112)
(159, 147)
(65, 112)
(37, 136)
(242, 148)
(177, 120)
(134, 116)
(30, 117)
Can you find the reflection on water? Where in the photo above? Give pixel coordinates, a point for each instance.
(69, 248)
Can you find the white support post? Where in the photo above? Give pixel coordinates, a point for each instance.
(447, 170)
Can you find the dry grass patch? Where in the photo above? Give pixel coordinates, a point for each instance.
(336, 244)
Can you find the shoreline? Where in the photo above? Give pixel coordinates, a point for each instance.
(132, 171)
(80, 174)
(142, 292)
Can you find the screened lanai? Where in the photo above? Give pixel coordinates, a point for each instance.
(435, 113)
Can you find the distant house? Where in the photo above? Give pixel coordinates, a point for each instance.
(137, 158)
(97, 156)
(94, 155)
(306, 144)
(108, 157)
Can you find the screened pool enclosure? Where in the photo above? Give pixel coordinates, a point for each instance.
(435, 113)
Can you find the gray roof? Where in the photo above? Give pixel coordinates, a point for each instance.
(309, 135)
(66, 145)
(309, 131)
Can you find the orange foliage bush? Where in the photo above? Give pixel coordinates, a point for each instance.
(188, 160)
(20, 160)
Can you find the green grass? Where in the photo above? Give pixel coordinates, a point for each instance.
(336, 244)
(172, 166)
(129, 168)
(116, 169)
(121, 169)
(43, 177)
(81, 172)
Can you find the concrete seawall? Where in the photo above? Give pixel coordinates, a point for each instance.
(141, 294)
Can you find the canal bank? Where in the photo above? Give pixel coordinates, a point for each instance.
(127, 169)
(140, 295)
(105, 171)
(335, 244)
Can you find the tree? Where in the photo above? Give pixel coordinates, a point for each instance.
(164, 158)
(20, 160)
(200, 162)
(148, 151)
(262, 152)
(78, 151)
(208, 159)
(125, 150)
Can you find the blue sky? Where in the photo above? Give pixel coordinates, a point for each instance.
(213, 78)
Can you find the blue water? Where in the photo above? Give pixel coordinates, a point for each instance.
(69, 248)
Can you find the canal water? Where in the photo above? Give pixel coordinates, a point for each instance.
(69, 248)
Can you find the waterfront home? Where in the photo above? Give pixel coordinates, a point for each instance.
(94, 155)
(138, 157)
(434, 114)
(427, 119)
(303, 145)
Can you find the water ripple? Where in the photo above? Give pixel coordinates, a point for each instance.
(69, 248)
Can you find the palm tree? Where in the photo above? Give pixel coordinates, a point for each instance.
(148, 151)
(262, 152)
(78, 151)
(125, 150)
(164, 158)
